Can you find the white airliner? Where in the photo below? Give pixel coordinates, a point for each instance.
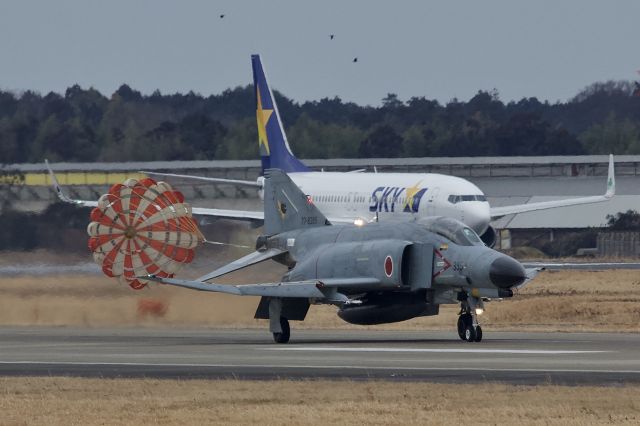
(359, 197)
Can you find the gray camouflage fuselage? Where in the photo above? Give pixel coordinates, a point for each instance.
(427, 269)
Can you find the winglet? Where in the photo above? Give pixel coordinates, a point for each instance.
(56, 186)
(611, 179)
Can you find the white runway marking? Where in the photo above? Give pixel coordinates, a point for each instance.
(320, 367)
(433, 350)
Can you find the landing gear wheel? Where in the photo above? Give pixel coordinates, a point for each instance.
(463, 321)
(286, 332)
(478, 334)
(470, 333)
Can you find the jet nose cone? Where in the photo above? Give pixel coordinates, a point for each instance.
(506, 272)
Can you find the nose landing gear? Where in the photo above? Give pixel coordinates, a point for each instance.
(468, 327)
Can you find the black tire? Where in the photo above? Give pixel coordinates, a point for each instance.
(286, 332)
(478, 334)
(463, 321)
(470, 333)
(461, 327)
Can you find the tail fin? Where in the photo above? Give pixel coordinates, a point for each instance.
(285, 206)
(272, 141)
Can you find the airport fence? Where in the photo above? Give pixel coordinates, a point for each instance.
(618, 244)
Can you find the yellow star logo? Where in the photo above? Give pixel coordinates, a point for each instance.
(262, 116)
(411, 191)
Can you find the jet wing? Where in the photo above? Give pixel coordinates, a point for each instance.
(319, 289)
(243, 262)
(237, 182)
(531, 273)
(581, 266)
(497, 212)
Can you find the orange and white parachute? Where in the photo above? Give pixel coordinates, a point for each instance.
(141, 228)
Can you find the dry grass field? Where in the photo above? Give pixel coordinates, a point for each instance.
(55, 401)
(563, 301)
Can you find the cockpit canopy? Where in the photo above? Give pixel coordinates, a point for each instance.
(455, 199)
(453, 230)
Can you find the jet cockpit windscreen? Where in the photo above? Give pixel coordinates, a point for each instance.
(453, 230)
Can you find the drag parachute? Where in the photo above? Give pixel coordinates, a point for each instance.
(141, 228)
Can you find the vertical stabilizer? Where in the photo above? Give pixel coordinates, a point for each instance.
(272, 141)
(286, 207)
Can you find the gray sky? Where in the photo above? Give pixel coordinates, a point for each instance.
(444, 49)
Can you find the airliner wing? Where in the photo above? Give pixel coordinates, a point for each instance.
(497, 212)
(62, 195)
(238, 182)
(245, 215)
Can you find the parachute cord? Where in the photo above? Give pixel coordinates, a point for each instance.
(217, 243)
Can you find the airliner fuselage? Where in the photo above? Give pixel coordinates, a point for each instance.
(395, 196)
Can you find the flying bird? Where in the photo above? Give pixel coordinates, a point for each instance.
(222, 16)
(355, 59)
(331, 36)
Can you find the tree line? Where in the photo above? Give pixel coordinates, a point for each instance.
(85, 125)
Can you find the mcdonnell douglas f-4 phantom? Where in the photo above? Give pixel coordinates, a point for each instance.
(380, 273)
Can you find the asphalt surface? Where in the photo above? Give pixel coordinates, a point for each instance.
(518, 358)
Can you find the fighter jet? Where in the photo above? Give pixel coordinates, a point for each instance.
(380, 273)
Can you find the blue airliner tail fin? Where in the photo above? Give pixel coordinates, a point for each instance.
(272, 140)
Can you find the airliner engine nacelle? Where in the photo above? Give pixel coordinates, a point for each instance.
(489, 237)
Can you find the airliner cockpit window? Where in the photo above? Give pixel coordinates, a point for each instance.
(454, 199)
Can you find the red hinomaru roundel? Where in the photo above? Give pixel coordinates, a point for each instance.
(141, 228)
(388, 266)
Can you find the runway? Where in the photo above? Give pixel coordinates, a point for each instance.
(517, 358)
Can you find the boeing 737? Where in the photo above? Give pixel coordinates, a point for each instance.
(359, 197)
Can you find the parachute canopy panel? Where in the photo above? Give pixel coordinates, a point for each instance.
(141, 228)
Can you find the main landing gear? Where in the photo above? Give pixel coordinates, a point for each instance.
(278, 325)
(282, 336)
(468, 327)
